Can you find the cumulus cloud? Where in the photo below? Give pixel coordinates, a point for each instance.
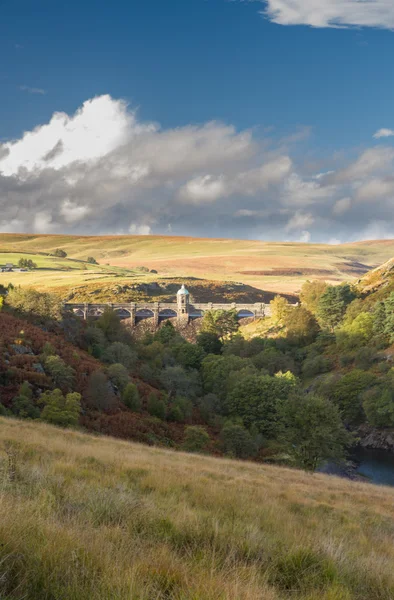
(331, 13)
(103, 170)
(384, 133)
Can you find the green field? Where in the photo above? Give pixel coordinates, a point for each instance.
(276, 267)
(91, 518)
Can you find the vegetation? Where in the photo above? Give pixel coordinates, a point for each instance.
(89, 517)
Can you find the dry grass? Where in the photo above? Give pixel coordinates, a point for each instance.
(95, 518)
(279, 267)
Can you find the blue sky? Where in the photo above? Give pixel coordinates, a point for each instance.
(308, 81)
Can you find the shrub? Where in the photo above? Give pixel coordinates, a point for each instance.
(131, 397)
(379, 407)
(23, 405)
(99, 392)
(316, 365)
(91, 260)
(60, 253)
(61, 410)
(181, 410)
(237, 441)
(120, 353)
(62, 374)
(196, 439)
(118, 375)
(156, 407)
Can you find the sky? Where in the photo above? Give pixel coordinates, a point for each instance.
(260, 119)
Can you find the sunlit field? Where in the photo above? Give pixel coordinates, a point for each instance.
(279, 267)
(90, 518)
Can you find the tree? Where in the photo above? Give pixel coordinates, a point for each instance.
(188, 355)
(131, 397)
(361, 327)
(196, 439)
(379, 407)
(61, 410)
(120, 353)
(279, 308)
(156, 407)
(311, 292)
(222, 323)
(62, 374)
(389, 321)
(26, 263)
(99, 391)
(333, 303)
(209, 342)
(379, 318)
(179, 382)
(38, 304)
(180, 410)
(91, 260)
(257, 401)
(347, 392)
(313, 431)
(216, 371)
(60, 253)
(237, 441)
(301, 325)
(110, 324)
(23, 405)
(118, 375)
(166, 333)
(96, 341)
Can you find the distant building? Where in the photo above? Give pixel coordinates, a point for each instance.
(8, 268)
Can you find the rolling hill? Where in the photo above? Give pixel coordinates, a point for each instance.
(272, 267)
(96, 518)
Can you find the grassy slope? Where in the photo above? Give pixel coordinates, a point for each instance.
(90, 518)
(264, 265)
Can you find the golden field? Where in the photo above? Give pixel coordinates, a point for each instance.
(92, 518)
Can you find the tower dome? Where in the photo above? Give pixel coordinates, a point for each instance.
(183, 291)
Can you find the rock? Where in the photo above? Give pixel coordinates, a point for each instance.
(21, 349)
(377, 439)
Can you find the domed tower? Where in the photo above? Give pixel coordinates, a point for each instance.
(183, 300)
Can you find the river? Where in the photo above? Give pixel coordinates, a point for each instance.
(377, 466)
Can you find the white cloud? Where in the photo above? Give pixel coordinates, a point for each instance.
(32, 90)
(331, 13)
(98, 127)
(300, 220)
(204, 189)
(102, 170)
(139, 229)
(305, 237)
(73, 212)
(383, 133)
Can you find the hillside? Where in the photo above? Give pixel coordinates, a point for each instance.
(275, 267)
(92, 518)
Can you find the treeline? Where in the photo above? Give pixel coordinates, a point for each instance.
(295, 394)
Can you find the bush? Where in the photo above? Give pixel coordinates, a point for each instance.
(131, 397)
(316, 365)
(99, 392)
(118, 375)
(91, 260)
(237, 441)
(62, 374)
(379, 407)
(156, 407)
(35, 303)
(196, 439)
(120, 353)
(60, 253)
(23, 405)
(181, 410)
(209, 342)
(61, 410)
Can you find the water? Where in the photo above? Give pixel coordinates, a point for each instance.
(377, 466)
